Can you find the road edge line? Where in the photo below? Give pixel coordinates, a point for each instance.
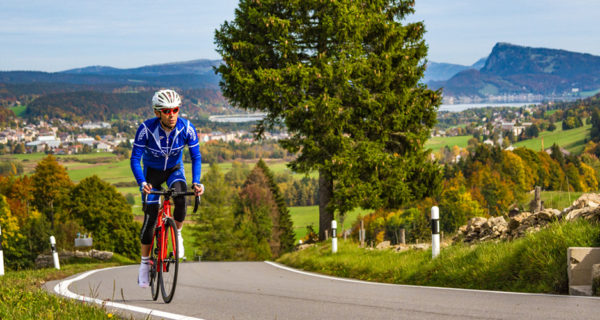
(62, 288)
(317, 275)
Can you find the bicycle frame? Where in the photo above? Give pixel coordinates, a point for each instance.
(159, 230)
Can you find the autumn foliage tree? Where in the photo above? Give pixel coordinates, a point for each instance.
(51, 184)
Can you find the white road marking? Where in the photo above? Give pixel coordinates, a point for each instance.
(62, 288)
(415, 286)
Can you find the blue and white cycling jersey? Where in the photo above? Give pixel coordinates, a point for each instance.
(162, 152)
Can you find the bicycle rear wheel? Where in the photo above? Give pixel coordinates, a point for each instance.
(168, 272)
(153, 267)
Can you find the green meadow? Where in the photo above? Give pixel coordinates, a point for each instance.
(302, 217)
(573, 140)
(18, 110)
(437, 143)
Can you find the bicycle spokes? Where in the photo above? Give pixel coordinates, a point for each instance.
(170, 265)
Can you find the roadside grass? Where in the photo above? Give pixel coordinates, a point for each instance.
(573, 140)
(437, 143)
(535, 263)
(23, 298)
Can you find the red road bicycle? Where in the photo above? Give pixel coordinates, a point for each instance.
(164, 255)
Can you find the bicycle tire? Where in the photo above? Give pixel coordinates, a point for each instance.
(168, 273)
(153, 268)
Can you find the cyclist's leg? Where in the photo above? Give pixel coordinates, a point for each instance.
(180, 204)
(177, 180)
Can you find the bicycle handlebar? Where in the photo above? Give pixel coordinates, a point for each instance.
(169, 194)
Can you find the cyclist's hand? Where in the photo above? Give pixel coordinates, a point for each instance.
(198, 189)
(146, 188)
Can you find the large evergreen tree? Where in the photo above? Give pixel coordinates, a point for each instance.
(343, 77)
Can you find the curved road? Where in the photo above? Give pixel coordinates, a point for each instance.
(264, 290)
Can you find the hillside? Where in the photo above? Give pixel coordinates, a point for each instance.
(98, 105)
(440, 71)
(108, 91)
(519, 73)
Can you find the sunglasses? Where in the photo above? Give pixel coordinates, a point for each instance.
(168, 111)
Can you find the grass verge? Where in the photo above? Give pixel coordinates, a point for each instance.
(535, 263)
(23, 298)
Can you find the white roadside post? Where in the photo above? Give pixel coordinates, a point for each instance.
(333, 236)
(435, 231)
(54, 253)
(1, 255)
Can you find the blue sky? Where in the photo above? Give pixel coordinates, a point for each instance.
(58, 35)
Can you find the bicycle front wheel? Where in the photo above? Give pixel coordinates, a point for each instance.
(170, 264)
(154, 267)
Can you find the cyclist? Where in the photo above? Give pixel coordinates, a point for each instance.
(159, 144)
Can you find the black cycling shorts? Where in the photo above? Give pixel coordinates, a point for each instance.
(156, 178)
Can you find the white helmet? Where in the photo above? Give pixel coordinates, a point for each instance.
(166, 99)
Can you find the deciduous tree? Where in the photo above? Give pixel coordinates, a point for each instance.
(51, 184)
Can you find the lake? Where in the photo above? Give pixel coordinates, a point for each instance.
(465, 106)
(251, 117)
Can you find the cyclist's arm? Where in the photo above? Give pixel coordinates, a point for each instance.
(194, 147)
(139, 144)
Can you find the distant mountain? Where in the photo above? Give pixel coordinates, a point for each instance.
(440, 71)
(187, 75)
(98, 92)
(199, 67)
(521, 73)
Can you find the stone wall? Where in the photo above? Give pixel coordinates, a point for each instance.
(521, 223)
(46, 260)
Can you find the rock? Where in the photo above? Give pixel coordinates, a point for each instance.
(591, 200)
(82, 254)
(383, 245)
(477, 222)
(420, 246)
(516, 221)
(101, 255)
(44, 261)
(304, 246)
(578, 213)
(596, 280)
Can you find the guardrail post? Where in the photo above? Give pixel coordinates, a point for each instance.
(361, 233)
(435, 231)
(333, 236)
(54, 253)
(1, 255)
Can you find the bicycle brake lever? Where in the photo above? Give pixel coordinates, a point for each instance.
(196, 202)
(144, 196)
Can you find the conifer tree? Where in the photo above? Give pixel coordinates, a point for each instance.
(343, 78)
(257, 219)
(214, 224)
(286, 227)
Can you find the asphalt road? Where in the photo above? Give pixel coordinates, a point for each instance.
(259, 290)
